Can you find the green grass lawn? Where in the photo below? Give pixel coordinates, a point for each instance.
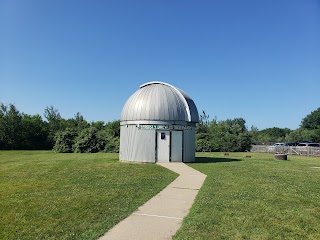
(44, 195)
(255, 198)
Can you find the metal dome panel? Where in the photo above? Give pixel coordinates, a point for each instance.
(159, 101)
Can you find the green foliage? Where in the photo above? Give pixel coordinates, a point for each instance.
(76, 123)
(113, 128)
(23, 131)
(229, 135)
(34, 132)
(203, 142)
(10, 127)
(274, 134)
(309, 131)
(82, 137)
(2, 131)
(54, 122)
(254, 131)
(98, 125)
(204, 119)
(64, 141)
(94, 138)
(112, 145)
(89, 141)
(310, 127)
(302, 134)
(312, 120)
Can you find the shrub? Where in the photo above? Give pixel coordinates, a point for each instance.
(90, 140)
(112, 145)
(64, 141)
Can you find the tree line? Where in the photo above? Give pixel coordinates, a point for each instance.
(309, 130)
(30, 132)
(232, 134)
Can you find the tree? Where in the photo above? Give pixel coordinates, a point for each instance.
(254, 131)
(10, 128)
(112, 131)
(302, 134)
(89, 141)
(98, 125)
(230, 136)
(203, 126)
(54, 122)
(24, 131)
(312, 120)
(203, 142)
(64, 141)
(77, 123)
(112, 144)
(113, 128)
(34, 132)
(275, 134)
(2, 128)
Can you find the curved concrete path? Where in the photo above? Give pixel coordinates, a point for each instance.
(162, 215)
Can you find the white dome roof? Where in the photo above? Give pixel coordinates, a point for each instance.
(159, 101)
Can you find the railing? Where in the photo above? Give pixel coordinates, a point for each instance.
(291, 150)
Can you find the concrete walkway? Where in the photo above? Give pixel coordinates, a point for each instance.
(162, 215)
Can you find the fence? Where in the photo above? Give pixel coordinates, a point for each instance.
(291, 150)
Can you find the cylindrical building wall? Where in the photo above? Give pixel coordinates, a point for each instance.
(138, 142)
(137, 145)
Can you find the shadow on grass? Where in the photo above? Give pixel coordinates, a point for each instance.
(215, 160)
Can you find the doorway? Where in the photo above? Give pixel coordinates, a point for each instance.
(163, 146)
(176, 146)
(169, 146)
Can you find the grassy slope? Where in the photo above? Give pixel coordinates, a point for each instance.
(44, 195)
(257, 198)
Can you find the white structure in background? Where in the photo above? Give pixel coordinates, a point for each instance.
(158, 124)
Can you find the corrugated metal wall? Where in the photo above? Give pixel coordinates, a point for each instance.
(137, 145)
(189, 148)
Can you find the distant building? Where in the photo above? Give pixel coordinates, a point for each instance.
(158, 124)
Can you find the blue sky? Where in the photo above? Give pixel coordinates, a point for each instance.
(259, 60)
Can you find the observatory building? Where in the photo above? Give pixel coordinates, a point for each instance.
(158, 124)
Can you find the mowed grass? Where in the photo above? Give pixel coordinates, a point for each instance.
(255, 198)
(44, 195)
